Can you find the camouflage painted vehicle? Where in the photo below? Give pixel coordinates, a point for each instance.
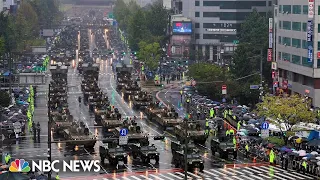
(141, 100)
(60, 122)
(79, 136)
(145, 153)
(135, 135)
(195, 132)
(113, 153)
(167, 118)
(131, 88)
(224, 148)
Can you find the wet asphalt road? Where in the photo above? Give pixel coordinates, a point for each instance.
(28, 149)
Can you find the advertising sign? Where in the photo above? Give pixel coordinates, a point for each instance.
(311, 9)
(318, 55)
(270, 25)
(269, 55)
(182, 27)
(310, 31)
(270, 40)
(310, 53)
(274, 66)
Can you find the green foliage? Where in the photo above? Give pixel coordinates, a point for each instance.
(137, 29)
(2, 46)
(289, 110)
(4, 99)
(150, 54)
(278, 141)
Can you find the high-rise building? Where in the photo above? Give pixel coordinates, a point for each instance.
(216, 23)
(297, 47)
(1, 5)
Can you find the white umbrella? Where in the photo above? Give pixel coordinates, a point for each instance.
(317, 158)
(243, 130)
(302, 154)
(295, 152)
(314, 153)
(301, 151)
(241, 133)
(305, 158)
(318, 163)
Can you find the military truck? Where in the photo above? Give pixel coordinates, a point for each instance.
(77, 136)
(194, 131)
(141, 100)
(223, 147)
(193, 157)
(114, 154)
(145, 153)
(167, 118)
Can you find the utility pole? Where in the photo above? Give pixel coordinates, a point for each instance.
(261, 76)
(186, 141)
(49, 130)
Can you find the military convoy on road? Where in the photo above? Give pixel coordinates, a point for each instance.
(224, 147)
(194, 132)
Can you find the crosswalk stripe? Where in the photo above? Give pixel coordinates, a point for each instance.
(246, 171)
(183, 175)
(268, 168)
(237, 177)
(175, 176)
(125, 178)
(301, 175)
(250, 169)
(228, 178)
(235, 171)
(257, 176)
(279, 174)
(246, 177)
(134, 177)
(228, 172)
(217, 172)
(145, 177)
(277, 168)
(165, 177)
(215, 178)
(289, 174)
(265, 176)
(202, 174)
(210, 173)
(191, 174)
(157, 177)
(260, 169)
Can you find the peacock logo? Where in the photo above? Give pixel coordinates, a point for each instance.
(19, 165)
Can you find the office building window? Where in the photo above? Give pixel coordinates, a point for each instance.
(197, 3)
(305, 9)
(279, 55)
(287, 9)
(286, 25)
(280, 8)
(286, 41)
(296, 43)
(318, 45)
(235, 4)
(318, 10)
(286, 57)
(197, 25)
(306, 63)
(296, 9)
(197, 14)
(318, 28)
(304, 44)
(228, 15)
(296, 59)
(279, 40)
(197, 36)
(221, 37)
(304, 27)
(270, 3)
(296, 26)
(280, 24)
(318, 63)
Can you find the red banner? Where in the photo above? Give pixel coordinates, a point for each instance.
(269, 55)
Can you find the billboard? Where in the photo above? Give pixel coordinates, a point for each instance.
(182, 28)
(311, 9)
(310, 40)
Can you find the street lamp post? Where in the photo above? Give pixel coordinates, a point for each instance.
(49, 131)
(186, 141)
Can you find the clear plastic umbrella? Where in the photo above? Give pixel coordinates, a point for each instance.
(314, 153)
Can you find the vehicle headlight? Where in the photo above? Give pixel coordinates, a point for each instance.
(113, 156)
(157, 154)
(190, 162)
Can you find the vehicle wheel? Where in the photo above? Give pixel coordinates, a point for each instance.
(176, 165)
(125, 161)
(157, 159)
(134, 155)
(201, 168)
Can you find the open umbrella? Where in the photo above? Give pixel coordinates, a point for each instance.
(315, 142)
(270, 145)
(288, 150)
(314, 153)
(283, 149)
(14, 176)
(302, 154)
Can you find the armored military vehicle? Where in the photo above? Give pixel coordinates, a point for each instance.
(95, 53)
(193, 157)
(224, 147)
(145, 153)
(113, 153)
(60, 122)
(77, 136)
(194, 130)
(167, 118)
(135, 135)
(141, 100)
(131, 88)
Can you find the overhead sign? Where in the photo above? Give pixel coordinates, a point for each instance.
(310, 31)
(264, 133)
(224, 89)
(270, 40)
(123, 132)
(265, 125)
(269, 55)
(311, 9)
(221, 30)
(310, 53)
(270, 24)
(254, 86)
(123, 140)
(274, 66)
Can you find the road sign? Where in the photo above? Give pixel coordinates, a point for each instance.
(264, 133)
(265, 125)
(123, 132)
(254, 86)
(193, 82)
(224, 89)
(235, 41)
(123, 140)
(17, 127)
